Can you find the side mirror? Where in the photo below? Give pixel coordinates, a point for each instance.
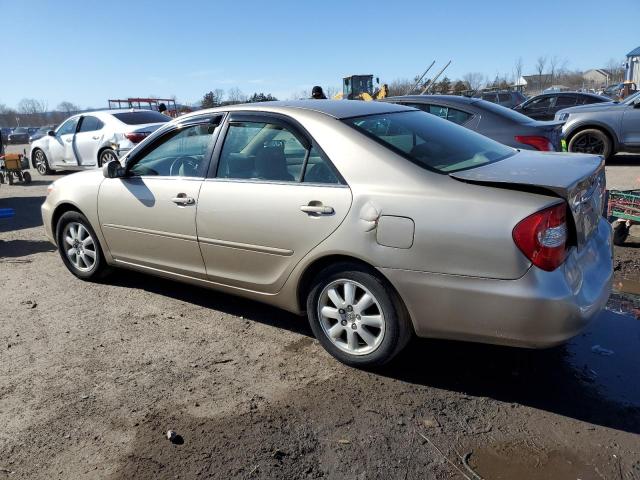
(636, 105)
(112, 169)
(51, 133)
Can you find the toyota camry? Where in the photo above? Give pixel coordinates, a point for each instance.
(378, 221)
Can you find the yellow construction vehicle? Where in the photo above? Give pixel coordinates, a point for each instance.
(360, 87)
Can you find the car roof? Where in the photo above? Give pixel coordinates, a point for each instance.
(334, 108)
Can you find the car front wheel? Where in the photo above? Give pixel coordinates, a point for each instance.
(41, 163)
(79, 248)
(356, 316)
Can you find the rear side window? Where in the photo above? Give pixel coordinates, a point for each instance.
(566, 101)
(271, 152)
(430, 142)
(586, 100)
(504, 97)
(452, 114)
(139, 118)
(90, 124)
(489, 97)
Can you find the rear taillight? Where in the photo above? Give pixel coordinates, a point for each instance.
(539, 143)
(136, 137)
(542, 237)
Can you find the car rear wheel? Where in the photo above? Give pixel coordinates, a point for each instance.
(41, 163)
(356, 316)
(79, 247)
(107, 156)
(591, 140)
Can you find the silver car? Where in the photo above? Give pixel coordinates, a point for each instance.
(93, 139)
(378, 220)
(502, 124)
(603, 128)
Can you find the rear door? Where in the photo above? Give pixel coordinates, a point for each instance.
(272, 196)
(88, 139)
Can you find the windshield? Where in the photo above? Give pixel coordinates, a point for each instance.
(20, 130)
(431, 142)
(140, 118)
(504, 112)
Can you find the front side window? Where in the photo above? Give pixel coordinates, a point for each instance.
(430, 142)
(181, 153)
(271, 152)
(68, 127)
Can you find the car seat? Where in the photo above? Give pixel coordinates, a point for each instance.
(271, 163)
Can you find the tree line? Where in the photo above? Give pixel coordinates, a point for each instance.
(32, 112)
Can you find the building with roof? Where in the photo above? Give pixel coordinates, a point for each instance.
(596, 77)
(633, 66)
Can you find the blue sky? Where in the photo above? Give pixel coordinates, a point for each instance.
(88, 51)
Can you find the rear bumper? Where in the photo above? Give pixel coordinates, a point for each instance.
(540, 309)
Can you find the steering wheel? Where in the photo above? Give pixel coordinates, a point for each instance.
(180, 163)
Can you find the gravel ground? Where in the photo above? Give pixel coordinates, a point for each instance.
(93, 375)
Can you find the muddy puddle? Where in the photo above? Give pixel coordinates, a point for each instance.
(607, 354)
(509, 461)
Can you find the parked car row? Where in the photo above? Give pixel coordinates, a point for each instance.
(372, 218)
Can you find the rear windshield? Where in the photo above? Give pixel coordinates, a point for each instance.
(139, 118)
(431, 142)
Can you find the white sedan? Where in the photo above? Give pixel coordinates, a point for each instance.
(92, 139)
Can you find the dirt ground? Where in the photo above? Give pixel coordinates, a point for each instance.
(93, 375)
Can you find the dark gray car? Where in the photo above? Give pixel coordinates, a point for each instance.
(603, 128)
(499, 123)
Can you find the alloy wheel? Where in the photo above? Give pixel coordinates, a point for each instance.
(80, 247)
(351, 317)
(41, 163)
(107, 156)
(588, 144)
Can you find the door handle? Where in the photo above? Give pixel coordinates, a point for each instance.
(182, 199)
(68, 140)
(96, 137)
(317, 209)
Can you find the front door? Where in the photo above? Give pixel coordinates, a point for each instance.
(273, 197)
(148, 217)
(631, 125)
(60, 146)
(88, 139)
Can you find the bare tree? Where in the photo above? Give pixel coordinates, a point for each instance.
(541, 64)
(68, 108)
(31, 106)
(235, 95)
(517, 71)
(616, 69)
(218, 94)
(475, 80)
(331, 92)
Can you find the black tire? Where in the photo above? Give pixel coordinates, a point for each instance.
(107, 155)
(397, 326)
(620, 233)
(9, 178)
(99, 268)
(1, 177)
(26, 176)
(591, 140)
(41, 163)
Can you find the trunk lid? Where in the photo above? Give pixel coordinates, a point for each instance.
(578, 179)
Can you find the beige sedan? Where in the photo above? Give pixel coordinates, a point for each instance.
(378, 220)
